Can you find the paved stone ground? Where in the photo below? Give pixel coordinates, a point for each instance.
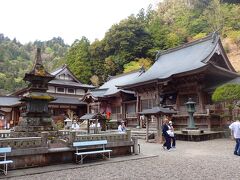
(212, 160)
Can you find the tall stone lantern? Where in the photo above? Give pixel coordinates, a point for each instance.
(191, 110)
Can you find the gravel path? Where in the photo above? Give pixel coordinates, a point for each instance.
(212, 160)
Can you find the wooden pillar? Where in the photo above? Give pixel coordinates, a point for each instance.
(158, 139)
(209, 123)
(161, 124)
(147, 128)
(88, 108)
(96, 128)
(178, 102)
(88, 126)
(98, 107)
(123, 110)
(201, 100)
(138, 110)
(158, 96)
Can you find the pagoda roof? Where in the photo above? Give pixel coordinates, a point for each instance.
(188, 58)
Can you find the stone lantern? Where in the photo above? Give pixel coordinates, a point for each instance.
(191, 110)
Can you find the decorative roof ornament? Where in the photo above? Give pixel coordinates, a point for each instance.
(157, 55)
(142, 70)
(109, 77)
(215, 36)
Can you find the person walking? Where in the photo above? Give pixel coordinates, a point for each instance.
(235, 132)
(172, 135)
(165, 133)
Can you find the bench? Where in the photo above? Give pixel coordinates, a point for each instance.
(83, 145)
(3, 159)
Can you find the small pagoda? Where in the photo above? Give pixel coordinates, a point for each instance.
(36, 117)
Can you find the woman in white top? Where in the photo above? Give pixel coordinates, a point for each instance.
(121, 127)
(75, 126)
(172, 134)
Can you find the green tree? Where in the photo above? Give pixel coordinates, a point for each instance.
(98, 56)
(228, 93)
(126, 41)
(137, 64)
(78, 60)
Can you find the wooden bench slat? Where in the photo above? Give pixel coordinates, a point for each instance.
(89, 143)
(80, 145)
(5, 149)
(93, 152)
(6, 162)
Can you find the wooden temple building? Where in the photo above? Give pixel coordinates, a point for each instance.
(116, 103)
(192, 70)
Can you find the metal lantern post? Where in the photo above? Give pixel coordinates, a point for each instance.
(191, 109)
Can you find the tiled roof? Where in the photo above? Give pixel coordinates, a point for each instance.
(92, 116)
(70, 83)
(185, 58)
(121, 79)
(158, 110)
(9, 101)
(67, 100)
(235, 81)
(98, 92)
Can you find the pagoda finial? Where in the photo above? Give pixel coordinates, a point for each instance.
(142, 69)
(38, 68)
(38, 57)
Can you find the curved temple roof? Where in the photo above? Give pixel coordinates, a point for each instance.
(188, 57)
(109, 88)
(124, 78)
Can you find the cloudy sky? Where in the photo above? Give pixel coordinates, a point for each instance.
(30, 20)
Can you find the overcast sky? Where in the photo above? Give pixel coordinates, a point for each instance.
(30, 20)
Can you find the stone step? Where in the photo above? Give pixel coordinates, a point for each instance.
(141, 134)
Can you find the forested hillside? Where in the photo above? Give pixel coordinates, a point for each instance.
(134, 41)
(16, 59)
(129, 44)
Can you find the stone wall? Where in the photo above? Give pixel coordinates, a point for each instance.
(37, 151)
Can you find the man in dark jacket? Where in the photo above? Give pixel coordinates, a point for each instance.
(167, 137)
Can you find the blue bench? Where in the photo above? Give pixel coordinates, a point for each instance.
(3, 159)
(83, 145)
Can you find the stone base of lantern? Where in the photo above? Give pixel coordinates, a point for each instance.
(33, 126)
